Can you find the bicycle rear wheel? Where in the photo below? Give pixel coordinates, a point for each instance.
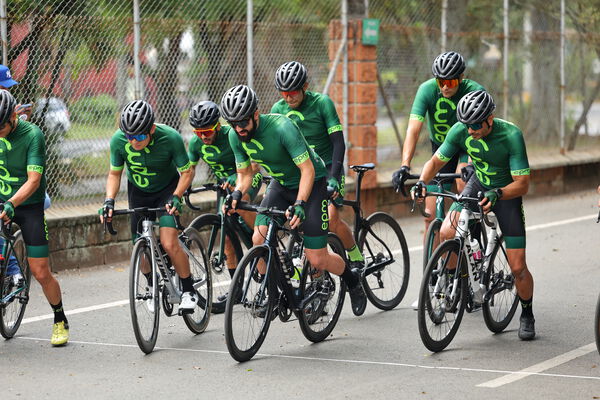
(249, 307)
(209, 227)
(439, 313)
(382, 243)
(597, 325)
(201, 278)
(501, 292)
(319, 317)
(143, 297)
(14, 295)
(432, 240)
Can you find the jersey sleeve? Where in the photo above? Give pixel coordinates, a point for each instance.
(180, 156)
(293, 141)
(276, 109)
(419, 107)
(330, 115)
(451, 145)
(117, 163)
(36, 154)
(242, 160)
(518, 162)
(194, 151)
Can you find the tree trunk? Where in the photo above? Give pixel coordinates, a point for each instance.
(586, 108)
(166, 97)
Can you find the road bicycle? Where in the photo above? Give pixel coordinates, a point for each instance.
(481, 279)
(218, 231)
(256, 298)
(152, 277)
(383, 245)
(15, 281)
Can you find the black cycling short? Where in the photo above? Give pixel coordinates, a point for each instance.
(30, 218)
(509, 213)
(316, 224)
(139, 198)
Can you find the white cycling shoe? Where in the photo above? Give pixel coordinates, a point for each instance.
(189, 301)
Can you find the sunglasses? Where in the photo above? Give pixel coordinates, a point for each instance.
(450, 83)
(477, 126)
(291, 93)
(240, 124)
(140, 137)
(206, 132)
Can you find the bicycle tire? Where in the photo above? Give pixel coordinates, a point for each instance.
(429, 245)
(12, 312)
(201, 277)
(209, 227)
(433, 305)
(597, 325)
(499, 310)
(318, 318)
(143, 299)
(255, 304)
(389, 239)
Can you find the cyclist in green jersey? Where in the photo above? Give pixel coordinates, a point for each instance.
(317, 118)
(275, 142)
(158, 172)
(436, 99)
(22, 190)
(502, 173)
(211, 144)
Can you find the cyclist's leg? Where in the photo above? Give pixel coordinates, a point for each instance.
(338, 226)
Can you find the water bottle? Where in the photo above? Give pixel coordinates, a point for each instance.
(478, 288)
(475, 249)
(297, 272)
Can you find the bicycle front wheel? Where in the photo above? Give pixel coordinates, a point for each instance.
(319, 316)
(387, 261)
(597, 325)
(14, 290)
(501, 299)
(201, 279)
(249, 307)
(432, 240)
(143, 297)
(441, 304)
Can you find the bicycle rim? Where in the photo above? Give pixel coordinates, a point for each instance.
(15, 295)
(249, 306)
(384, 243)
(319, 317)
(439, 314)
(500, 308)
(201, 277)
(143, 298)
(432, 240)
(597, 325)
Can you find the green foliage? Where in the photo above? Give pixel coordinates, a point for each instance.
(99, 110)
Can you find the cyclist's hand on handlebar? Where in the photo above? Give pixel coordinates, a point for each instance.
(296, 213)
(106, 211)
(335, 185)
(467, 172)
(489, 199)
(231, 201)
(174, 206)
(418, 191)
(229, 182)
(8, 213)
(399, 177)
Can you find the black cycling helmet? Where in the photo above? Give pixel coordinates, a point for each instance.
(290, 76)
(137, 118)
(448, 65)
(7, 106)
(205, 113)
(239, 103)
(475, 107)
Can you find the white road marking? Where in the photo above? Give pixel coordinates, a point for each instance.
(335, 360)
(77, 311)
(538, 368)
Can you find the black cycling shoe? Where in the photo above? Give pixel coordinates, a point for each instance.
(357, 266)
(358, 300)
(526, 328)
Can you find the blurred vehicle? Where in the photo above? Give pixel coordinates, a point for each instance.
(57, 118)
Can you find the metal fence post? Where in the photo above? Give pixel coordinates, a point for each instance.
(345, 65)
(505, 61)
(249, 39)
(562, 77)
(443, 25)
(4, 31)
(136, 49)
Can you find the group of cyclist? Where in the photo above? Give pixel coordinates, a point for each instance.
(300, 145)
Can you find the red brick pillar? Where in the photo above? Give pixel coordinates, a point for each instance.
(362, 96)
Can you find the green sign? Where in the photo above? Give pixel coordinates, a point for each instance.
(370, 31)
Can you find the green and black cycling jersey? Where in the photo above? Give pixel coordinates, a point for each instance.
(218, 155)
(496, 157)
(439, 110)
(317, 118)
(155, 166)
(279, 147)
(21, 152)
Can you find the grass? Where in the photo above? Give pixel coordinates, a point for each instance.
(88, 131)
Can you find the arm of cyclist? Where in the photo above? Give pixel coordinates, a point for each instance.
(175, 206)
(339, 148)
(242, 185)
(307, 178)
(429, 170)
(519, 187)
(113, 182)
(408, 151)
(28, 188)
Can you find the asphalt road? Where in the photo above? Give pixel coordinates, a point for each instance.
(376, 356)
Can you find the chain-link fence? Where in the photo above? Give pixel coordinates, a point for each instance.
(75, 61)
